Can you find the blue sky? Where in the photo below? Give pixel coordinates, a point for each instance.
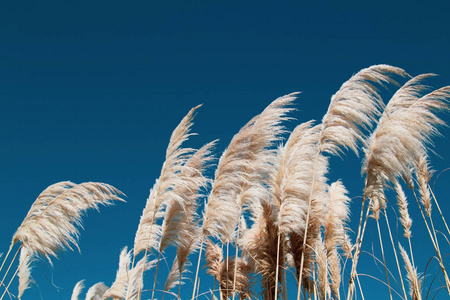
(91, 91)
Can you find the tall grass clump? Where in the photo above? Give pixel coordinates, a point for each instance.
(271, 222)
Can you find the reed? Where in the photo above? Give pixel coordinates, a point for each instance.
(269, 224)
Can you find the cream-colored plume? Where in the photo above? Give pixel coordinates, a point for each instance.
(354, 108)
(53, 221)
(149, 231)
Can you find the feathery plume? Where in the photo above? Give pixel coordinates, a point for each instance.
(322, 268)
(405, 219)
(353, 109)
(119, 288)
(242, 280)
(347, 246)
(407, 124)
(174, 278)
(413, 277)
(180, 225)
(47, 195)
(24, 273)
(77, 290)
(260, 242)
(335, 235)
(148, 232)
(135, 281)
(96, 291)
(301, 173)
(214, 258)
(337, 215)
(243, 169)
(53, 223)
(423, 178)
(289, 187)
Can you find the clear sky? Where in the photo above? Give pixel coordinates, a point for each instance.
(91, 91)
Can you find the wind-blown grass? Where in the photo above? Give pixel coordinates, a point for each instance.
(269, 221)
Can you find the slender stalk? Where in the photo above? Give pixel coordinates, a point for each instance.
(395, 254)
(9, 267)
(283, 274)
(306, 226)
(228, 248)
(314, 282)
(439, 209)
(438, 250)
(156, 274)
(214, 287)
(198, 266)
(358, 244)
(139, 289)
(360, 288)
(411, 252)
(237, 252)
(145, 255)
(6, 289)
(179, 284)
(15, 273)
(441, 264)
(7, 254)
(278, 262)
(384, 259)
(198, 289)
